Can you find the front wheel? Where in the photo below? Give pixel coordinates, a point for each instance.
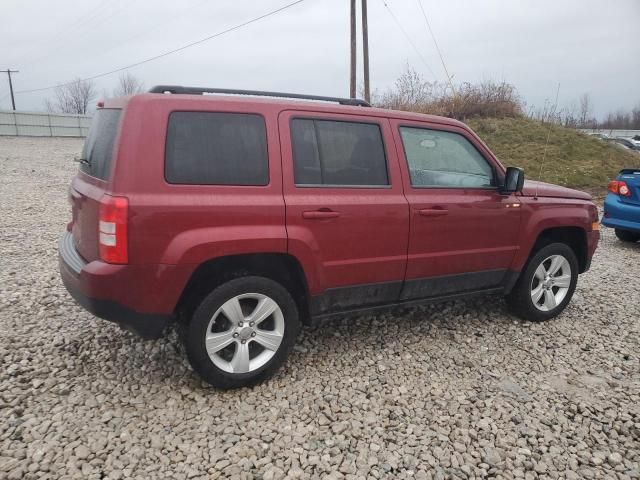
(546, 285)
(627, 236)
(242, 332)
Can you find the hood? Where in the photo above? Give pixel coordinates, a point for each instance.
(550, 190)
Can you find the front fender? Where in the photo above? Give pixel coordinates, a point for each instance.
(545, 213)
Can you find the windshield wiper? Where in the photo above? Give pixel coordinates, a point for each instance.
(83, 161)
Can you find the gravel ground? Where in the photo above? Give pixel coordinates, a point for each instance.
(454, 390)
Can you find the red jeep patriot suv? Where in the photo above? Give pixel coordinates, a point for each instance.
(246, 214)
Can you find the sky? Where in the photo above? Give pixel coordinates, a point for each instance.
(585, 46)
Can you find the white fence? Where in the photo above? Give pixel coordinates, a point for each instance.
(32, 124)
(612, 133)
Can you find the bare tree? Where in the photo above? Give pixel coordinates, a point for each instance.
(410, 93)
(128, 84)
(487, 99)
(72, 97)
(585, 109)
(411, 88)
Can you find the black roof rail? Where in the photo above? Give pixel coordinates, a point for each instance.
(177, 89)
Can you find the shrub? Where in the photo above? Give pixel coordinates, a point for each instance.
(467, 100)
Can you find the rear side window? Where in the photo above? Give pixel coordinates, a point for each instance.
(212, 148)
(329, 152)
(98, 147)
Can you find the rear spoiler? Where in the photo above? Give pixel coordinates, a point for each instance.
(629, 170)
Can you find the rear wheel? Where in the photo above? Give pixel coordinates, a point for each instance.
(627, 236)
(546, 285)
(242, 332)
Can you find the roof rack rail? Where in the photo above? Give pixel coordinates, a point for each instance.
(177, 89)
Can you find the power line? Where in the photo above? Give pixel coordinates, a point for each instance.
(395, 19)
(544, 153)
(435, 42)
(84, 21)
(170, 52)
(125, 41)
(89, 27)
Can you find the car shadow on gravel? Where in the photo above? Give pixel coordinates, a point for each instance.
(627, 246)
(101, 348)
(126, 357)
(438, 336)
(447, 328)
(448, 315)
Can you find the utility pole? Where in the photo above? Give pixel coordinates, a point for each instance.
(353, 49)
(365, 51)
(8, 71)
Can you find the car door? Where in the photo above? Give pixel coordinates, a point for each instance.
(464, 232)
(346, 216)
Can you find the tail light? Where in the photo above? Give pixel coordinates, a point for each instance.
(619, 188)
(113, 229)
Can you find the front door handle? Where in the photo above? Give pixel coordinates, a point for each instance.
(320, 214)
(433, 212)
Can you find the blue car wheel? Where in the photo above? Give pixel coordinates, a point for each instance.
(627, 236)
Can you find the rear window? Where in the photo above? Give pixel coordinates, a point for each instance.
(327, 152)
(98, 147)
(211, 148)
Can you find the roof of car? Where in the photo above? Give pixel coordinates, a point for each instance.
(244, 101)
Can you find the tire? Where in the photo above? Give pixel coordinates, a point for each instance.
(235, 342)
(521, 299)
(627, 236)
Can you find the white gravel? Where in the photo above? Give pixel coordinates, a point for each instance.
(453, 390)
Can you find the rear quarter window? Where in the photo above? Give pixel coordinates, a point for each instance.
(213, 148)
(97, 152)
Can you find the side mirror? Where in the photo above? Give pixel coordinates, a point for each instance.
(513, 180)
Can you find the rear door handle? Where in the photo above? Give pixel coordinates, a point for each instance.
(433, 212)
(320, 214)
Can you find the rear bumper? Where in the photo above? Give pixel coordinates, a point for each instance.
(621, 215)
(108, 291)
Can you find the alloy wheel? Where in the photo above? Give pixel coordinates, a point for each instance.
(244, 333)
(550, 282)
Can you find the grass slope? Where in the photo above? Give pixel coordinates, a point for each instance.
(572, 159)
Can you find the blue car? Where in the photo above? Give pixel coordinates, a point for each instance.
(622, 205)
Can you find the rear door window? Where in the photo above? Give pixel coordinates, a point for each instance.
(98, 147)
(327, 152)
(214, 148)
